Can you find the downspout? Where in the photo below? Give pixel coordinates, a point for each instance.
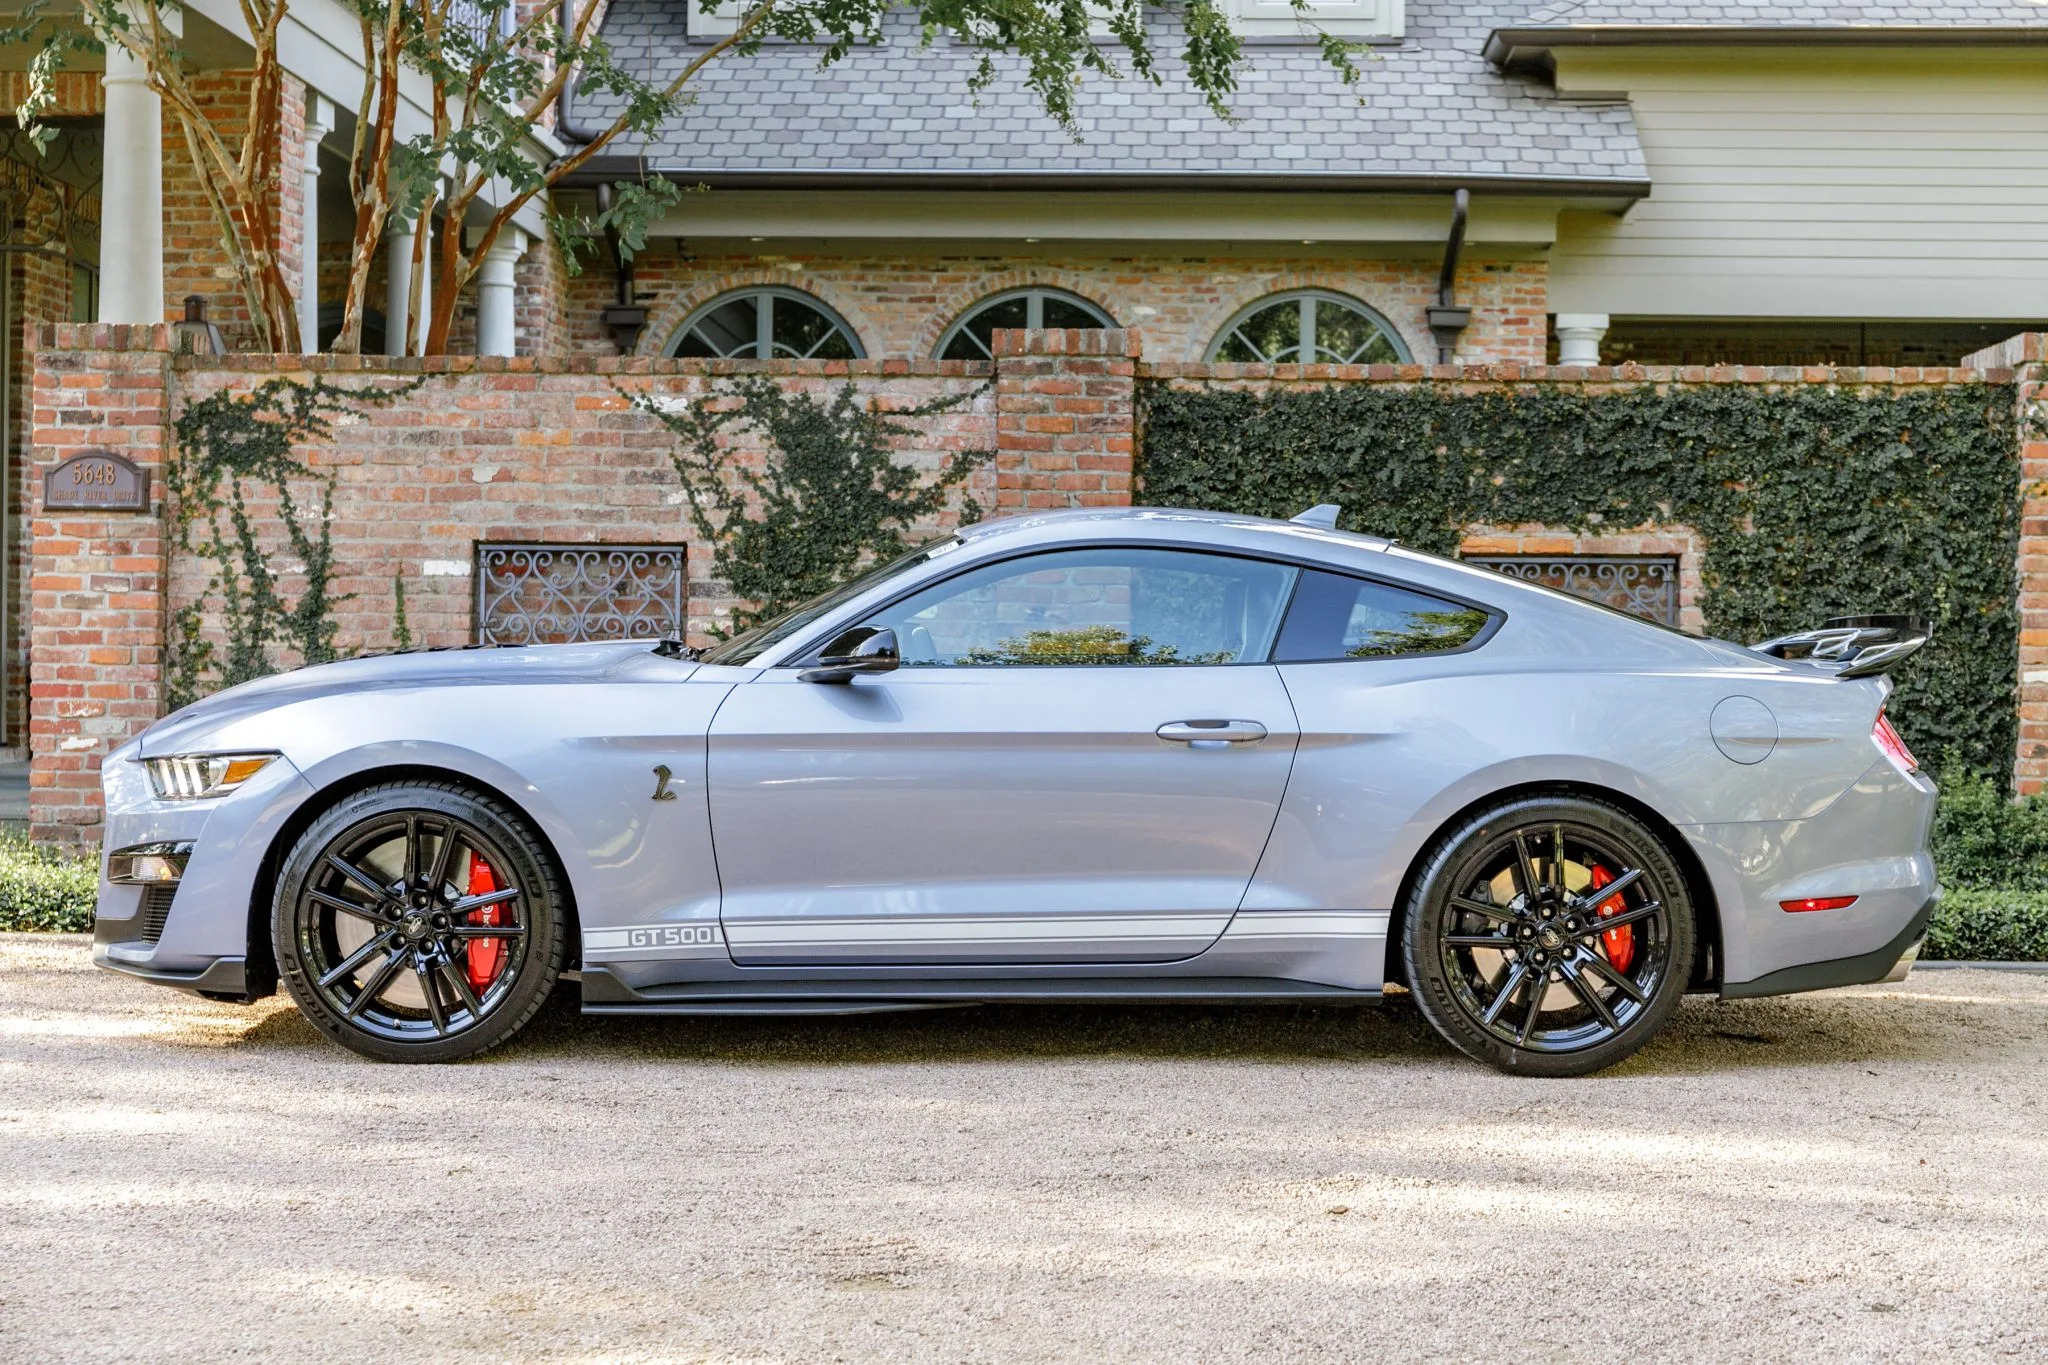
(623, 317)
(1447, 321)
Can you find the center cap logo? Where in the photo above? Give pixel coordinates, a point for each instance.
(415, 926)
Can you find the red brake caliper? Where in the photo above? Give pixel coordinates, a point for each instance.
(1619, 943)
(486, 955)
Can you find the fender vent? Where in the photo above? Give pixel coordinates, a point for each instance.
(156, 908)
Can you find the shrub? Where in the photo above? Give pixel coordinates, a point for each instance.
(1984, 838)
(1989, 924)
(43, 889)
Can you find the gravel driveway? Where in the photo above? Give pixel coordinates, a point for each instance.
(1840, 1176)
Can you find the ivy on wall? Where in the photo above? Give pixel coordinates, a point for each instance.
(1811, 501)
(830, 496)
(228, 448)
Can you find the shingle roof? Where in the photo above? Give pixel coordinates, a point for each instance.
(1430, 111)
(1791, 13)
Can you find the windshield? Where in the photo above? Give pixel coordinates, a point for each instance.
(745, 648)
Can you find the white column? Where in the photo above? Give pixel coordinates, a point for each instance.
(131, 195)
(398, 246)
(1578, 337)
(319, 123)
(495, 278)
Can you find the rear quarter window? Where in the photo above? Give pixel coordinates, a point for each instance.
(1336, 617)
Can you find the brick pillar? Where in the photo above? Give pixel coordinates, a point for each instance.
(2026, 357)
(96, 579)
(1066, 417)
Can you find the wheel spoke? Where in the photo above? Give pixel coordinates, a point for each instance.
(431, 991)
(1507, 992)
(1528, 867)
(1557, 856)
(1596, 925)
(1478, 941)
(1589, 899)
(1618, 977)
(1539, 985)
(410, 877)
(347, 968)
(460, 983)
(1590, 997)
(358, 876)
(444, 858)
(374, 987)
(1497, 914)
(487, 931)
(484, 901)
(347, 907)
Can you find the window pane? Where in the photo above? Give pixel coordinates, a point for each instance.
(1096, 607)
(727, 330)
(972, 341)
(1269, 336)
(1345, 336)
(801, 332)
(1061, 312)
(1334, 617)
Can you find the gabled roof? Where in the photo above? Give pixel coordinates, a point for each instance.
(1428, 114)
(1571, 23)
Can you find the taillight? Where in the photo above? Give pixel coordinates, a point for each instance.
(1887, 739)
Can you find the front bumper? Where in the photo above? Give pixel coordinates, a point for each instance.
(206, 937)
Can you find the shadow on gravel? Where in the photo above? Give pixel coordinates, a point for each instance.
(1707, 1034)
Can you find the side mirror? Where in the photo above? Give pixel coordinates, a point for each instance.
(864, 649)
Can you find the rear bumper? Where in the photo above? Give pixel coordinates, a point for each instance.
(1880, 964)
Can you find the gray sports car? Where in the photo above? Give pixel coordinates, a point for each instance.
(1080, 756)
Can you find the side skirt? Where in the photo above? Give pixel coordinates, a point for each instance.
(604, 993)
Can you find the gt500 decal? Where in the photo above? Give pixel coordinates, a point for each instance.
(656, 940)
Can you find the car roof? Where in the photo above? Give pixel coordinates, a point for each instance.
(1068, 523)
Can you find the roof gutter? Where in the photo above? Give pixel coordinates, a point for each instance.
(605, 169)
(1509, 47)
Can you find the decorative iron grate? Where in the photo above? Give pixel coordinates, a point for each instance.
(562, 594)
(1641, 585)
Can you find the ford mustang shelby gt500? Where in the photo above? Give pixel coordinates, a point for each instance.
(1080, 756)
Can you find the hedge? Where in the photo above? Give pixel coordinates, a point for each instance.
(1989, 924)
(1811, 501)
(43, 889)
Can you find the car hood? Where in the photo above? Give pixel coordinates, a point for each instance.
(529, 665)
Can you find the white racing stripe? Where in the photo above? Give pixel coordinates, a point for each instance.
(1309, 924)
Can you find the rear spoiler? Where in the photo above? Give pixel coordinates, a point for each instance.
(1861, 646)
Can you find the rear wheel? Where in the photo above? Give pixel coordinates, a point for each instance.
(418, 922)
(1549, 936)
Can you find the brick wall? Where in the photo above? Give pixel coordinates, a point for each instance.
(549, 449)
(899, 306)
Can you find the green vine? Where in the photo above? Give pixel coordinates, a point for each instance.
(1811, 501)
(830, 496)
(229, 447)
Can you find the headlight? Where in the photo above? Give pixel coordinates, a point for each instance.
(192, 777)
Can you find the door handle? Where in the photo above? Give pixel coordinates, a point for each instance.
(1212, 734)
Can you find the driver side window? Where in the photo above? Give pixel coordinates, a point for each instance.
(1095, 607)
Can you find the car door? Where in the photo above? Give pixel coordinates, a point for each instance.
(1079, 761)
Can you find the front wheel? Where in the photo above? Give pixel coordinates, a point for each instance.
(419, 922)
(1549, 936)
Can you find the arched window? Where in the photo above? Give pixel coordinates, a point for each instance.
(766, 323)
(1308, 327)
(968, 337)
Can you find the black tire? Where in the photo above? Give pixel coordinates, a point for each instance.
(453, 967)
(1565, 981)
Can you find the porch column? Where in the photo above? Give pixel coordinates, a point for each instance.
(131, 195)
(398, 245)
(495, 333)
(319, 123)
(1578, 337)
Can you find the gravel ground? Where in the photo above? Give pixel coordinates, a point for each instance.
(1843, 1176)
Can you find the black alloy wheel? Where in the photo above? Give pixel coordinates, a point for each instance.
(419, 922)
(1549, 936)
